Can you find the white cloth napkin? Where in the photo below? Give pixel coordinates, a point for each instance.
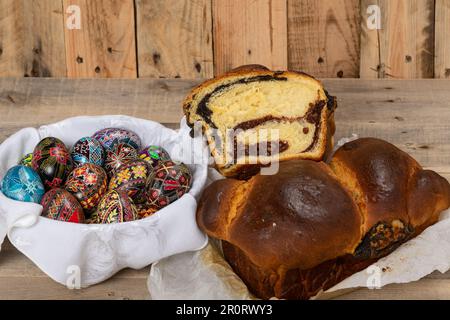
(93, 253)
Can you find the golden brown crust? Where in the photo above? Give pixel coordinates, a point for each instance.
(308, 227)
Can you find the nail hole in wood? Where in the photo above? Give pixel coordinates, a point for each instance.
(340, 74)
(320, 60)
(408, 58)
(110, 50)
(36, 50)
(249, 52)
(97, 69)
(79, 59)
(1, 51)
(399, 118)
(198, 67)
(156, 57)
(177, 76)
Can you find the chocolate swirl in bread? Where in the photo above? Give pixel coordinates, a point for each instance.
(251, 99)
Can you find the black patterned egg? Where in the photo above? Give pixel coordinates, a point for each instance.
(52, 162)
(167, 183)
(132, 177)
(110, 137)
(88, 150)
(116, 206)
(154, 155)
(117, 156)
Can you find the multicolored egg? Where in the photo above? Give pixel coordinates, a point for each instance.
(60, 205)
(27, 160)
(146, 210)
(117, 156)
(116, 206)
(110, 137)
(132, 177)
(167, 183)
(22, 183)
(154, 155)
(52, 162)
(88, 184)
(88, 150)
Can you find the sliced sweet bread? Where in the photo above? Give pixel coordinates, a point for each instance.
(252, 116)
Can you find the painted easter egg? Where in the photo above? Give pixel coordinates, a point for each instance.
(27, 160)
(131, 177)
(154, 155)
(117, 156)
(88, 150)
(110, 137)
(52, 162)
(146, 210)
(23, 184)
(60, 205)
(87, 183)
(116, 206)
(167, 183)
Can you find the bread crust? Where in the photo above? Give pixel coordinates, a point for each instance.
(330, 221)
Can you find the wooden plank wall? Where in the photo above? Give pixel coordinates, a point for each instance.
(201, 38)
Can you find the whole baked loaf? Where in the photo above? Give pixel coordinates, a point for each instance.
(311, 225)
(252, 116)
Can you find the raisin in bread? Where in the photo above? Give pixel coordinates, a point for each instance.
(252, 116)
(311, 225)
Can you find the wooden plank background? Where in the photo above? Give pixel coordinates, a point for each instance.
(193, 39)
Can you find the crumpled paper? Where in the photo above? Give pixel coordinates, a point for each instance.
(205, 274)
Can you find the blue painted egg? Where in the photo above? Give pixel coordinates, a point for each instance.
(23, 184)
(110, 137)
(88, 150)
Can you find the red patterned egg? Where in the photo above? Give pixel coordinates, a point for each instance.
(131, 177)
(88, 183)
(167, 183)
(61, 205)
(52, 162)
(118, 155)
(116, 206)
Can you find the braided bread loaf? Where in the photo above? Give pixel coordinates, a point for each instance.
(311, 225)
(239, 110)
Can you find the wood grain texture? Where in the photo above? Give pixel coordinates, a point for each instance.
(404, 47)
(389, 109)
(442, 40)
(105, 45)
(249, 32)
(174, 38)
(32, 38)
(324, 37)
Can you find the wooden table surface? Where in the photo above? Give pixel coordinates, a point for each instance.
(412, 114)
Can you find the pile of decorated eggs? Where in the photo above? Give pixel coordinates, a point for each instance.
(106, 178)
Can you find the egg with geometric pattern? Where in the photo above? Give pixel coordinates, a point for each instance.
(110, 137)
(22, 183)
(168, 182)
(88, 150)
(88, 183)
(59, 204)
(52, 161)
(154, 155)
(115, 207)
(117, 156)
(132, 177)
